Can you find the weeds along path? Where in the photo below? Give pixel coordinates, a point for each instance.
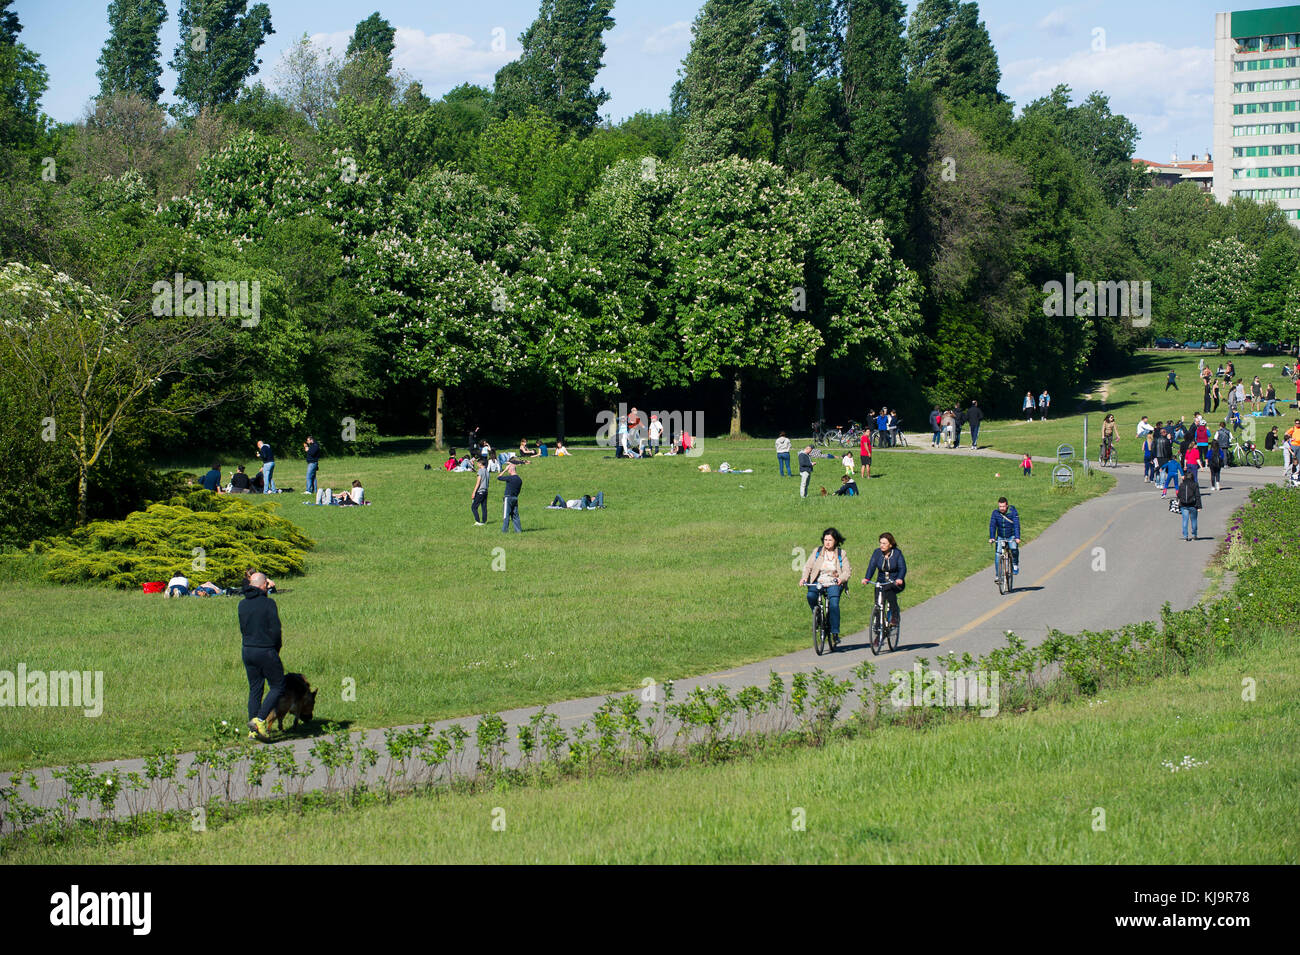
(1113, 560)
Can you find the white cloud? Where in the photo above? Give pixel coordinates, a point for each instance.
(442, 56)
(1057, 23)
(674, 38)
(1161, 89)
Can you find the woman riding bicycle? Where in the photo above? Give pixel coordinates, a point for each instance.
(828, 568)
(890, 568)
(1108, 435)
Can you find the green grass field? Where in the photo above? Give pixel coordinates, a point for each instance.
(1131, 396)
(1015, 789)
(683, 573)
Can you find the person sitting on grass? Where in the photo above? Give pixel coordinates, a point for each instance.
(239, 481)
(211, 481)
(561, 449)
(848, 486)
(452, 462)
(525, 451)
(178, 586)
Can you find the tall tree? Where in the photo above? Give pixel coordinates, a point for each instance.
(562, 52)
(1103, 141)
(1218, 295)
(724, 88)
(9, 25)
(219, 40)
(803, 64)
(950, 51)
(875, 98)
(129, 62)
(374, 34)
(23, 82)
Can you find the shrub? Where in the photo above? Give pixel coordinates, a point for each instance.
(200, 535)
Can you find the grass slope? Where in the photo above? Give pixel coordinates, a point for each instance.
(1015, 789)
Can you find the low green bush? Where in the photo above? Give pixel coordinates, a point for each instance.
(200, 535)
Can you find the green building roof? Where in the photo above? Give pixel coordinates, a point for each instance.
(1266, 22)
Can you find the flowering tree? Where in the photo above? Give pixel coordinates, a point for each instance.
(1217, 295)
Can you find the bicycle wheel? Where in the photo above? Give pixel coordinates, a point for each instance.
(894, 631)
(877, 626)
(819, 632)
(1256, 457)
(902, 440)
(1007, 570)
(997, 573)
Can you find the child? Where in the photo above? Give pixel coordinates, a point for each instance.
(560, 449)
(848, 486)
(1173, 475)
(847, 461)
(1027, 465)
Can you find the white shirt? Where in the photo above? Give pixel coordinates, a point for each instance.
(1144, 427)
(179, 582)
(656, 430)
(782, 445)
(357, 494)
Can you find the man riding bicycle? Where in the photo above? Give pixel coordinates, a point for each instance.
(828, 568)
(1004, 524)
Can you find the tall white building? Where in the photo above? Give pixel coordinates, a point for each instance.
(1257, 107)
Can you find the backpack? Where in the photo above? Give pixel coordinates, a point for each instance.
(1185, 492)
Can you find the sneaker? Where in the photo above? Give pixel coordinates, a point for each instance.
(1164, 492)
(478, 523)
(260, 729)
(835, 639)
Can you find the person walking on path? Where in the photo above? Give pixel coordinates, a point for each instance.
(478, 497)
(313, 462)
(259, 626)
(1027, 406)
(864, 453)
(958, 419)
(1148, 457)
(1044, 402)
(805, 469)
(936, 425)
(1172, 382)
(782, 455)
(1173, 473)
(268, 467)
(510, 509)
(974, 416)
(1214, 458)
(1189, 503)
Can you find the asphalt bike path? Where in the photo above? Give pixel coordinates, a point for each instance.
(1110, 561)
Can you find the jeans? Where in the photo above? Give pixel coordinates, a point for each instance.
(783, 462)
(974, 435)
(1270, 407)
(263, 663)
(509, 512)
(1015, 555)
(832, 603)
(804, 477)
(311, 476)
(1189, 512)
(480, 500)
(934, 441)
(268, 485)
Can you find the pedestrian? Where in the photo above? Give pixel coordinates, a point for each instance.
(847, 461)
(510, 509)
(1044, 402)
(974, 416)
(959, 419)
(1173, 473)
(1027, 406)
(864, 453)
(657, 434)
(1241, 394)
(1172, 382)
(882, 426)
(268, 467)
(478, 497)
(1189, 504)
(1256, 394)
(1206, 403)
(805, 469)
(1270, 401)
(259, 626)
(782, 453)
(1027, 464)
(1291, 447)
(936, 425)
(1214, 393)
(1215, 461)
(1148, 460)
(313, 461)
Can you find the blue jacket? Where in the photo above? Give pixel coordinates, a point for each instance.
(1004, 525)
(896, 569)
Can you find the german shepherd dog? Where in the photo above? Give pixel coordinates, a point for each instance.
(298, 699)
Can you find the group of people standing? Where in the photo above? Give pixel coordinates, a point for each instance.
(947, 425)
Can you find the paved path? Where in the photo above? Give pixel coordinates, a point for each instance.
(1110, 561)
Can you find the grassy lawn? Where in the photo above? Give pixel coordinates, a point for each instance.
(683, 573)
(1015, 789)
(1141, 393)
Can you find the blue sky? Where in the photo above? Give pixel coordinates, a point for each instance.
(1154, 61)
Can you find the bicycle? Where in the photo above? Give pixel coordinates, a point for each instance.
(1245, 453)
(821, 621)
(1003, 569)
(900, 437)
(1106, 457)
(881, 634)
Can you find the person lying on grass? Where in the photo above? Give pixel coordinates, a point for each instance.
(585, 503)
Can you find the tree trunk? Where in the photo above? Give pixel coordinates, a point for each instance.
(559, 412)
(437, 419)
(83, 480)
(735, 406)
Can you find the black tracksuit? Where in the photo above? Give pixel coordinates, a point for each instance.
(259, 624)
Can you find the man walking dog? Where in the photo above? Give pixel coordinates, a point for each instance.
(259, 624)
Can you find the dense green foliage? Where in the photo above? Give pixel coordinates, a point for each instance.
(199, 535)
